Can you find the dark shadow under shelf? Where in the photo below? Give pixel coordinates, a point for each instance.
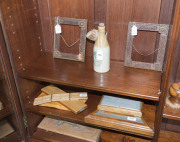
(6, 110)
(13, 137)
(4, 113)
(121, 80)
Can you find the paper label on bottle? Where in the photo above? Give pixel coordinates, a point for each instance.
(83, 95)
(131, 118)
(134, 30)
(58, 29)
(99, 55)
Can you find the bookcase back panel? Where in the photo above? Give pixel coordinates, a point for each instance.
(23, 25)
(116, 14)
(65, 8)
(121, 12)
(30, 25)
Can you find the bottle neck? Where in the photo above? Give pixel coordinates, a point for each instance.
(102, 34)
(101, 40)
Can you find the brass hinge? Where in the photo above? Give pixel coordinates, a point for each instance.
(25, 121)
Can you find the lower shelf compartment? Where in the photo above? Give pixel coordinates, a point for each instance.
(92, 102)
(106, 136)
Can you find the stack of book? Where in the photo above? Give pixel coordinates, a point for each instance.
(52, 96)
(119, 113)
(121, 106)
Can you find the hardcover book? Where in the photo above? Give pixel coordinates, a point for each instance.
(121, 106)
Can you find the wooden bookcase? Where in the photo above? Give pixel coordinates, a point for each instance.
(11, 112)
(28, 26)
(172, 116)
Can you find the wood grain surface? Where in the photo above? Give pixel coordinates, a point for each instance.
(65, 8)
(92, 103)
(70, 129)
(120, 125)
(32, 32)
(168, 69)
(76, 106)
(107, 136)
(171, 113)
(119, 80)
(23, 29)
(46, 136)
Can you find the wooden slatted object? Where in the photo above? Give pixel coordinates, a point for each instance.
(42, 100)
(70, 129)
(78, 96)
(75, 106)
(52, 90)
(56, 105)
(60, 97)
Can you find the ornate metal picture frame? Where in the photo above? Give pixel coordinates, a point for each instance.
(82, 23)
(162, 29)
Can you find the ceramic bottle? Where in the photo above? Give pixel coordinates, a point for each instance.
(101, 51)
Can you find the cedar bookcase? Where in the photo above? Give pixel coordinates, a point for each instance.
(28, 26)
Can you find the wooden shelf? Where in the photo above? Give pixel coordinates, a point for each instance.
(165, 136)
(121, 80)
(11, 137)
(105, 136)
(48, 136)
(93, 101)
(171, 113)
(168, 136)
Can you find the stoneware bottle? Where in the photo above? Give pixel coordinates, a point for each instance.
(101, 51)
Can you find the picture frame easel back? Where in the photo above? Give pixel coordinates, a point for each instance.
(82, 23)
(162, 29)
